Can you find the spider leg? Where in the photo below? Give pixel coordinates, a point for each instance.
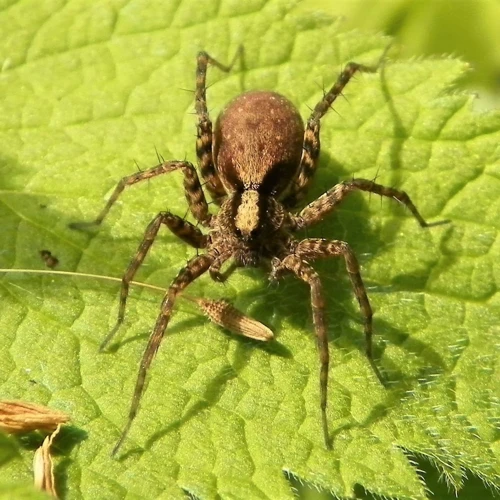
(311, 147)
(192, 188)
(214, 270)
(327, 202)
(222, 277)
(194, 269)
(204, 128)
(181, 228)
(315, 248)
(306, 273)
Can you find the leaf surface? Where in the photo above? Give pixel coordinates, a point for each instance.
(88, 89)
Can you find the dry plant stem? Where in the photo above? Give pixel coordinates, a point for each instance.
(79, 275)
(257, 164)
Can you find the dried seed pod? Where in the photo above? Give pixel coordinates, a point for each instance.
(224, 314)
(43, 467)
(19, 416)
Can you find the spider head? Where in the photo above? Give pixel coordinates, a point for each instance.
(248, 217)
(256, 216)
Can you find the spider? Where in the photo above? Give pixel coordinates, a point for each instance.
(256, 165)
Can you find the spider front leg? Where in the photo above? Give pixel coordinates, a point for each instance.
(193, 270)
(327, 202)
(303, 271)
(192, 188)
(311, 147)
(219, 261)
(204, 137)
(181, 228)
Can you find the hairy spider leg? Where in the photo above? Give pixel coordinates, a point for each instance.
(181, 228)
(192, 189)
(327, 202)
(315, 248)
(219, 261)
(204, 137)
(311, 147)
(193, 270)
(294, 264)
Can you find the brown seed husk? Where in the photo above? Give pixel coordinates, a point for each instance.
(20, 416)
(43, 467)
(224, 314)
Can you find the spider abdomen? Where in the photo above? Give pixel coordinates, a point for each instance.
(258, 143)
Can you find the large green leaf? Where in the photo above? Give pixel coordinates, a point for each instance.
(90, 87)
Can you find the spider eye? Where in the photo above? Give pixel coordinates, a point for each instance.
(254, 233)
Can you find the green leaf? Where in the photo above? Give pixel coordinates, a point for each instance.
(91, 87)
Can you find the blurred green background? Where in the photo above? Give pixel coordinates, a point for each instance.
(467, 29)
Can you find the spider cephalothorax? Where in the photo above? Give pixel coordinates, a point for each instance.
(257, 165)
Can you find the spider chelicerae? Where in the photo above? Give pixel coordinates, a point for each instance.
(257, 165)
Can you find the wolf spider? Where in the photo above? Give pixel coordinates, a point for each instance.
(257, 165)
